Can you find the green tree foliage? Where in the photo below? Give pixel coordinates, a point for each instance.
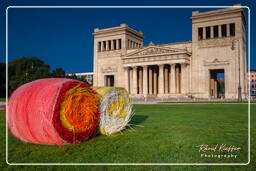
(2, 79)
(24, 70)
(27, 69)
(73, 76)
(58, 73)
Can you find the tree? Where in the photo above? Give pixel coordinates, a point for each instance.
(2, 79)
(27, 69)
(24, 70)
(58, 72)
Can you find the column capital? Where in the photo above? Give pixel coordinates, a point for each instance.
(173, 65)
(183, 64)
(134, 67)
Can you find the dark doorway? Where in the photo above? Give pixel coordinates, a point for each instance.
(217, 84)
(109, 80)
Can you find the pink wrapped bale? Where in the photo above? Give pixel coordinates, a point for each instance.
(53, 111)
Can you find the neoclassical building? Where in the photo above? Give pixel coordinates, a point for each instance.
(176, 70)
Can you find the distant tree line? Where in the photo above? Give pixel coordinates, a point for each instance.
(27, 69)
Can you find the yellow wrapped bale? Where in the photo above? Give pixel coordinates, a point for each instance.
(115, 109)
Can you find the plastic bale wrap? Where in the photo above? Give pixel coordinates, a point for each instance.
(53, 111)
(115, 108)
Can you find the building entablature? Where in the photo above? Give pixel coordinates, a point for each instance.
(154, 55)
(154, 50)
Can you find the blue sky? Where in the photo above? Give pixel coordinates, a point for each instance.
(63, 37)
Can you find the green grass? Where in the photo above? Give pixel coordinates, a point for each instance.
(170, 134)
(2, 99)
(252, 102)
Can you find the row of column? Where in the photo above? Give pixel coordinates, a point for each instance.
(109, 45)
(133, 44)
(224, 30)
(158, 79)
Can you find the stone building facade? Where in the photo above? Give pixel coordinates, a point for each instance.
(176, 70)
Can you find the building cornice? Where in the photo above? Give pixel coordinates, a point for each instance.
(121, 28)
(210, 15)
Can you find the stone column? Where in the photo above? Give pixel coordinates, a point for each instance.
(127, 78)
(131, 81)
(155, 81)
(188, 78)
(215, 88)
(145, 81)
(140, 81)
(117, 44)
(135, 79)
(112, 44)
(177, 77)
(211, 87)
(183, 78)
(213, 82)
(228, 30)
(204, 33)
(166, 80)
(161, 79)
(150, 80)
(219, 30)
(102, 46)
(107, 47)
(212, 32)
(172, 79)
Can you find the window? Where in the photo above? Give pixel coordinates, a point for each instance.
(208, 32)
(215, 31)
(224, 30)
(109, 80)
(232, 29)
(200, 33)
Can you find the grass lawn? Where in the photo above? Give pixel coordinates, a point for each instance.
(2, 99)
(170, 134)
(210, 102)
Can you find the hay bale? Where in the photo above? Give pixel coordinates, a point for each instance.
(115, 108)
(53, 111)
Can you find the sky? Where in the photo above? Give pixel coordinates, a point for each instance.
(63, 37)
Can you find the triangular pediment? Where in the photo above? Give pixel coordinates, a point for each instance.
(155, 50)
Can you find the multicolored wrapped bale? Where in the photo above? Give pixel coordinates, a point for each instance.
(115, 108)
(53, 111)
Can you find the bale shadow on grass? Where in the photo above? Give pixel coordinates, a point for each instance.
(138, 119)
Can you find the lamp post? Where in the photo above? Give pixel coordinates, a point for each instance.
(239, 96)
